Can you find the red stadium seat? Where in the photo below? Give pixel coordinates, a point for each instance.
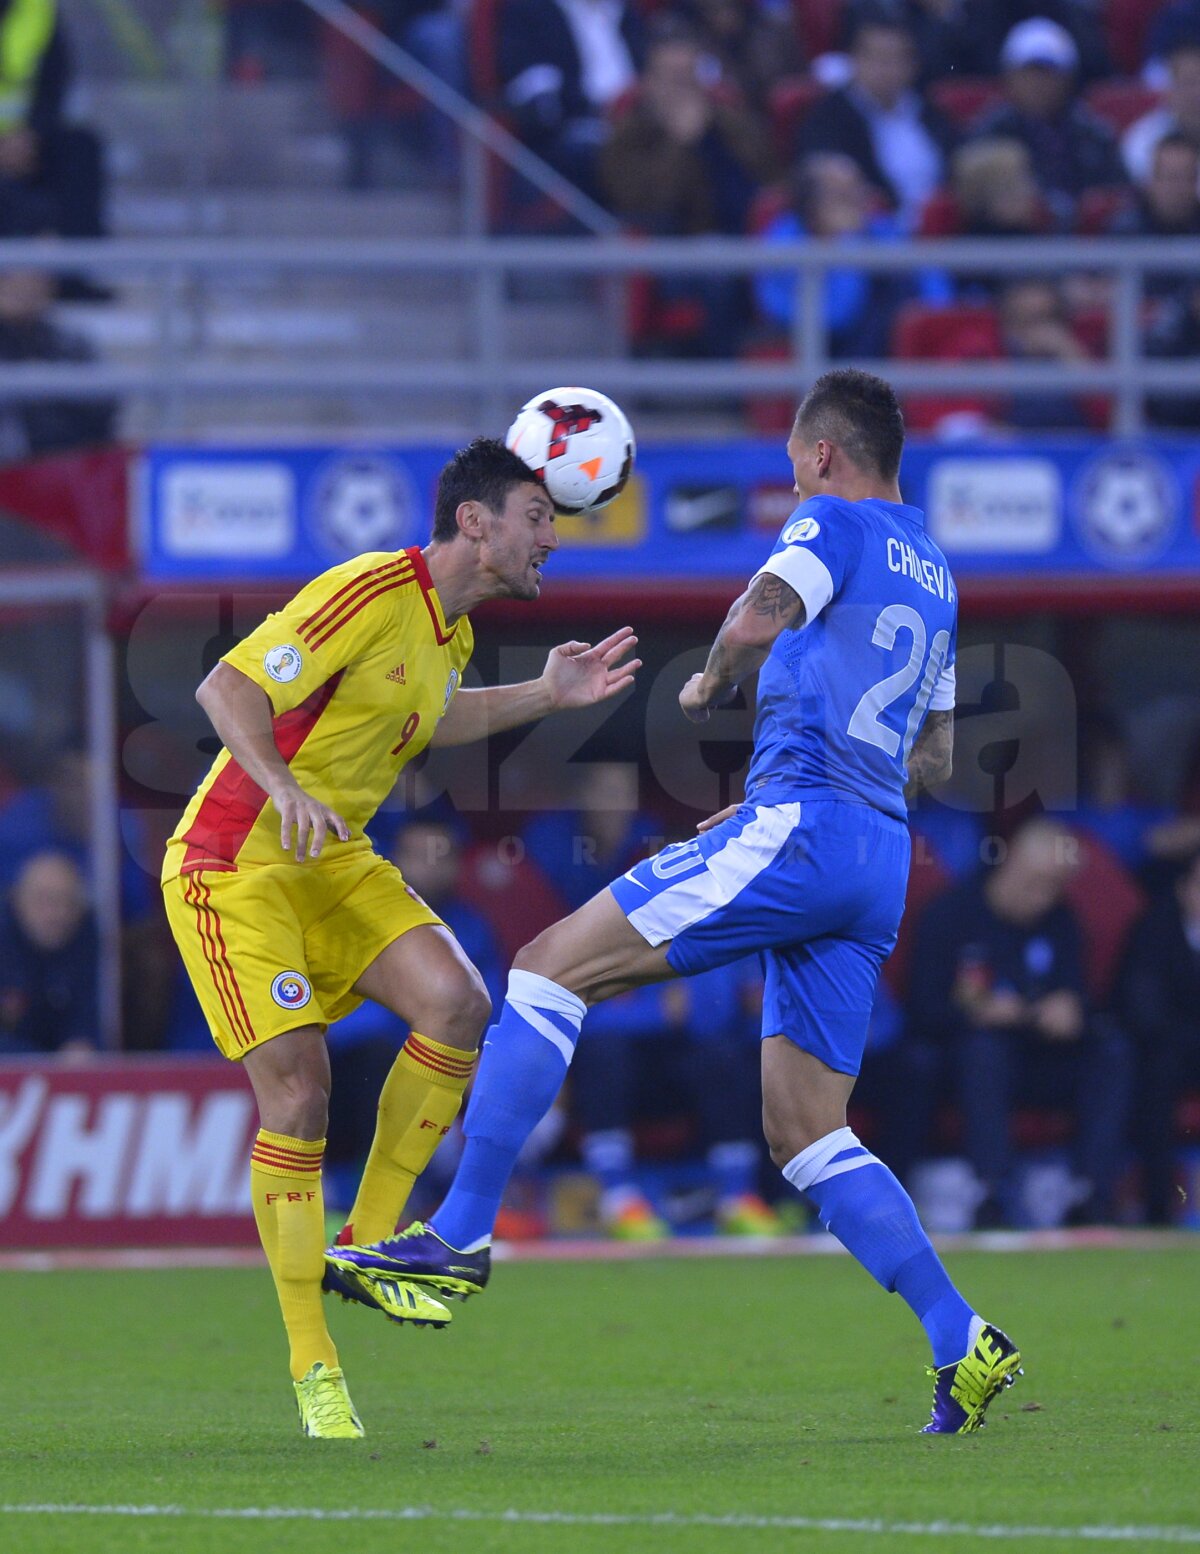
(961, 332)
(927, 879)
(942, 216)
(963, 99)
(1107, 901)
(516, 898)
(789, 105)
(482, 62)
(1119, 103)
(768, 204)
(1126, 23)
(819, 23)
(769, 417)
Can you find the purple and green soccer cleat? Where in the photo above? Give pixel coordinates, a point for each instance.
(962, 1391)
(417, 1256)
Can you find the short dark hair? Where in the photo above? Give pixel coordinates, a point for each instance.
(860, 413)
(484, 471)
(1175, 140)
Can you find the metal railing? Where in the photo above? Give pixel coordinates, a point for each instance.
(490, 377)
(480, 135)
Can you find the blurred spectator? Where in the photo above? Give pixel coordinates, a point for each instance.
(1174, 26)
(1070, 149)
(1160, 1001)
(996, 191)
(1179, 114)
(751, 43)
(682, 160)
(685, 159)
(946, 37)
(1174, 335)
(1167, 202)
(609, 1080)
(564, 64)
(582, 850)
(1035, 328)
(56, 815)
(48, 960)
(434, 33)
(268, 40)
(718, 1015)
(997, 983)
(28, 333)
(1108, 806)
(881, 121)
(363, 1045)
(831, 198)
(964, 37)
(51, 174)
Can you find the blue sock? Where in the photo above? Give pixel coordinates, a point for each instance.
(524, 1061)
(865, 1207)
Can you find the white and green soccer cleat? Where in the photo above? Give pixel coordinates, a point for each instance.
(326, 1412)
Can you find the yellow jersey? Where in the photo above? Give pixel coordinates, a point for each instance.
(359, 667)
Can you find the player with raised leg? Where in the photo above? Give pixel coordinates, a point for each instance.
(284, 915)
(852, 623)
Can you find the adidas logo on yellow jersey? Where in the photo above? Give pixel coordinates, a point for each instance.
(397, 674)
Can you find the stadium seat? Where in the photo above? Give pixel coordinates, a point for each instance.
(960, 332)
(1098, 209)
(819, 23)
(516, 898)
(927, 879)
(1119, 103)
(942, 215)
(769, 416)
(1126, 23)
(767, 206)
(1107, 901)
(964, 99)
(482, 62)
(788, 106)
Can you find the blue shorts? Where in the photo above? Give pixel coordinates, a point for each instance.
(816, 886)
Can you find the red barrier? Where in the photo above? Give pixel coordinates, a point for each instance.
(125, 1152)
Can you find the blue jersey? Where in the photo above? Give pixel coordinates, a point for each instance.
(841, 700)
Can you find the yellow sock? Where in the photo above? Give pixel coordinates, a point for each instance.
(420, 1099)
(285, 1182)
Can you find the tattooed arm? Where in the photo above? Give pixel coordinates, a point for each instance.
(768, 607)
(930, 760)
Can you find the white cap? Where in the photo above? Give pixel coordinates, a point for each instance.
(1039, 41)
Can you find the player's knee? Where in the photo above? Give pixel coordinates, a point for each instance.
(546, 957)
(297, 1107)
(455, 1006)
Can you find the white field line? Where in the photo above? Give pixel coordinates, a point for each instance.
(733, 1521)
(123, 1259)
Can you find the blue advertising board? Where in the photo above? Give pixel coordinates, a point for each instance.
(1084, 507)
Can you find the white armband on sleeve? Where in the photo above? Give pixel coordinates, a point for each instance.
(942, 699)
(804, 572)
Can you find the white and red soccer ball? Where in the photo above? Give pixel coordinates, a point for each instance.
(578, 443)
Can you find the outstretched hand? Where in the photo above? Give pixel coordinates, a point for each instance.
(578, 674)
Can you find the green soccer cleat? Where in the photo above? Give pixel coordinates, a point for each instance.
(399, 1300)
(326, 1412)
(962, 1391)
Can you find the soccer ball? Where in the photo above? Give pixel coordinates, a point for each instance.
(579, 445)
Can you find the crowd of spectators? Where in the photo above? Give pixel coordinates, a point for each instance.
(998, 118)
(1043, 995)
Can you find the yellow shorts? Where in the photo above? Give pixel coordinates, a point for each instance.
(275, 947)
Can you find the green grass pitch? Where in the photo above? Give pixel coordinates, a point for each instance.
(742, 1388)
